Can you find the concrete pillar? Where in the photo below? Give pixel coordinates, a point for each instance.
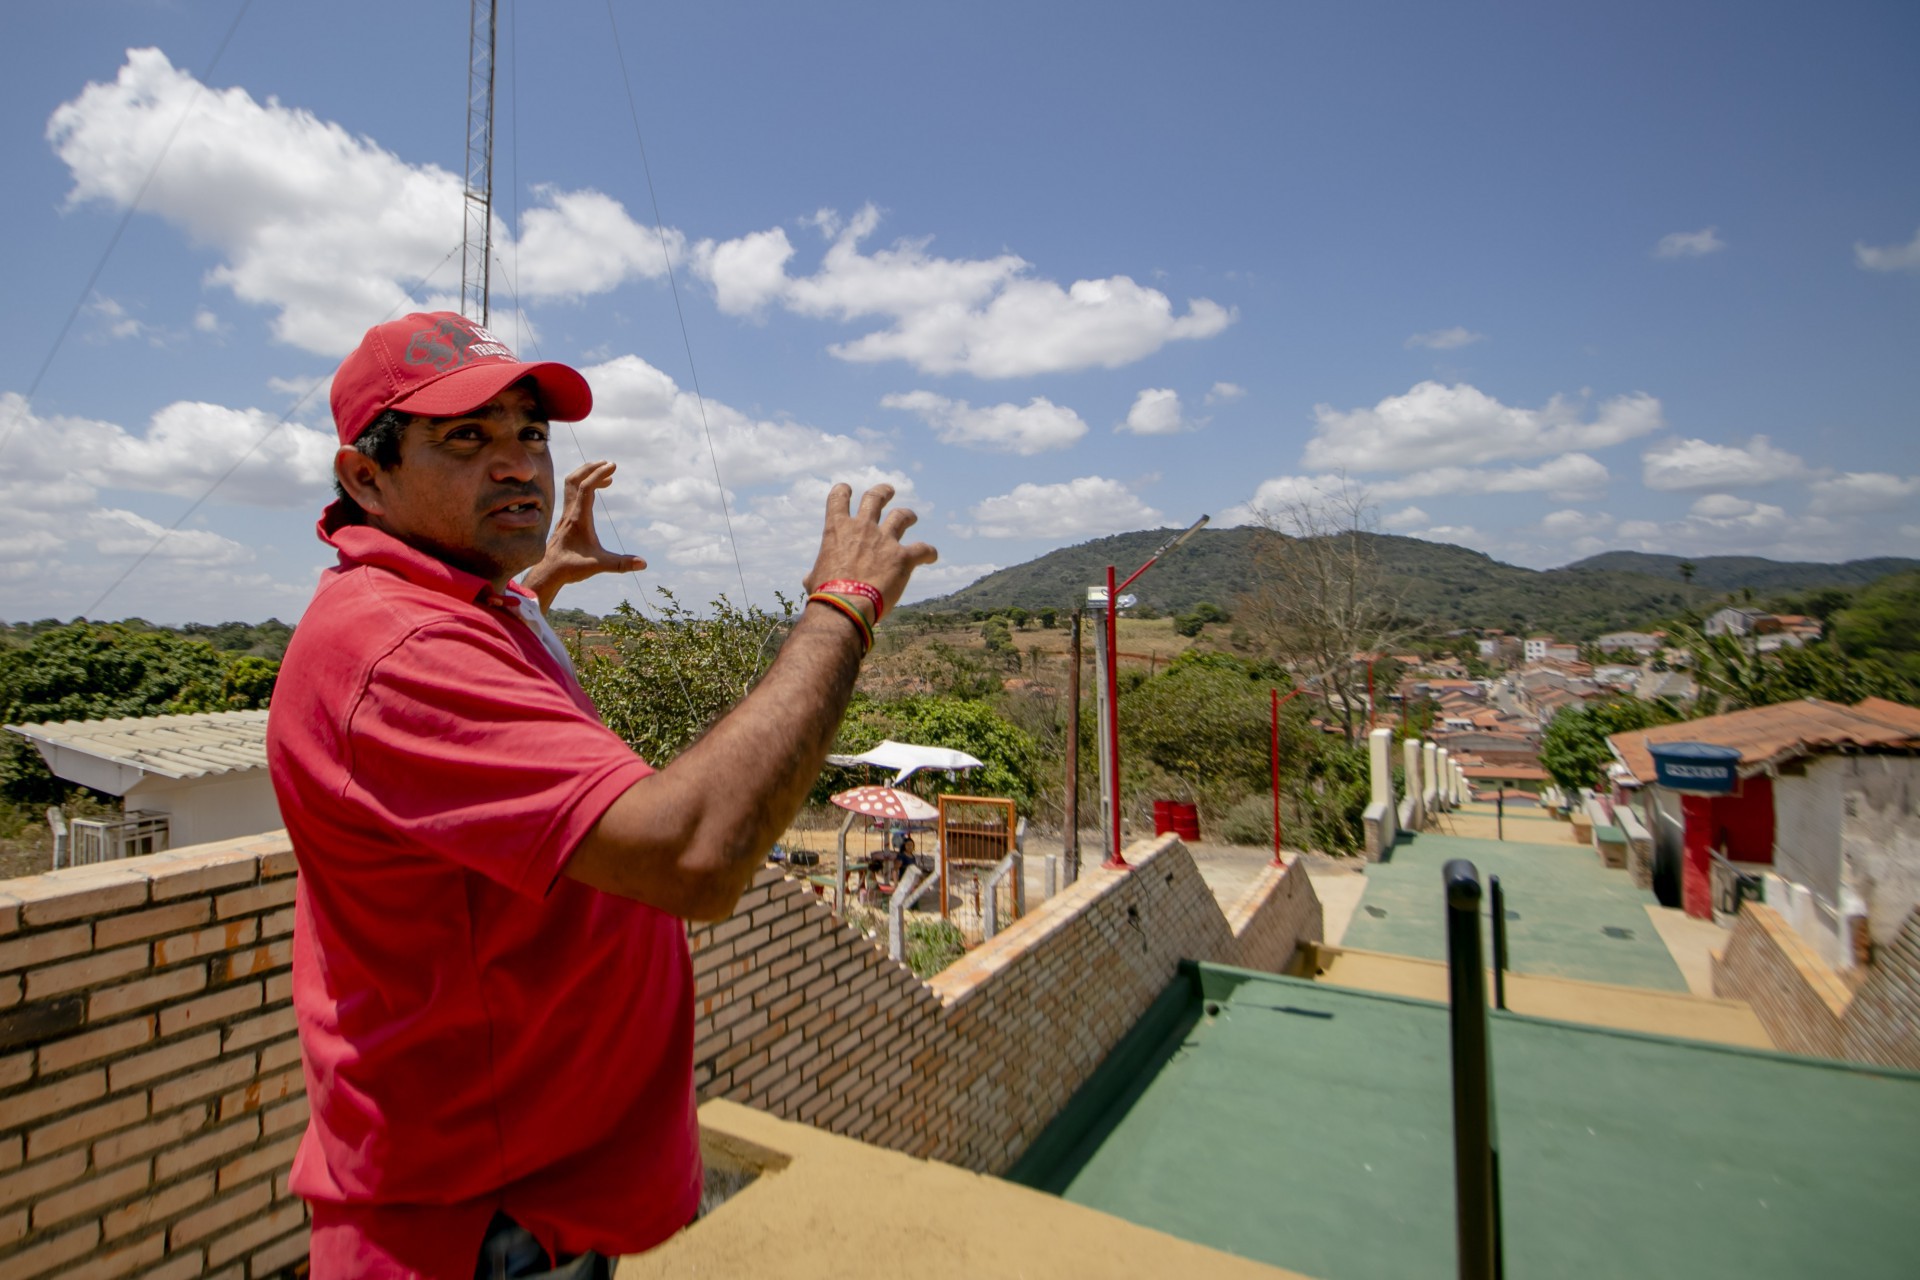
(1430, 775)
(1380, 750)
(1417, 819)
(1460, 789)
(1443, 777)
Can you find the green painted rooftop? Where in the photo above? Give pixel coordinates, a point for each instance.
(1310, 1127)
(1568, 915)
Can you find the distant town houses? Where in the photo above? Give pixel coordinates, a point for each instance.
(1768, 630)
(1644, 643)
(1499, 647)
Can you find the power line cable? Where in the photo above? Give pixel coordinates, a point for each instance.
(660, 231)
(252, 449)
(126, 218)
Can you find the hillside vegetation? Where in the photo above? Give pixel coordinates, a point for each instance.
(1434, 586)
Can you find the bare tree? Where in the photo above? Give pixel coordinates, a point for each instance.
(1319, 602)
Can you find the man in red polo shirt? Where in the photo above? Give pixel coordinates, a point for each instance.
(490, 966)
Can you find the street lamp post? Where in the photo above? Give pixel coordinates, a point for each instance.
(1110, 694)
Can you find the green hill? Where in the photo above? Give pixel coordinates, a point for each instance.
(1730, 573)
(1437, 586)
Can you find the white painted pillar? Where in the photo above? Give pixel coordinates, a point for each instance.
(1430, 775)
(1443, 777)
(1410, 754)
(1380, 761)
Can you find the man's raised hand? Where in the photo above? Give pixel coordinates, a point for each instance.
(865, 545)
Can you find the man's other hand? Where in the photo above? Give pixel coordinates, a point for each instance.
(574, 552)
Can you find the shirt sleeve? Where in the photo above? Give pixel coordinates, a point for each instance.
(463, 749)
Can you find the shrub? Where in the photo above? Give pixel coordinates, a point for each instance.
(1249, 822)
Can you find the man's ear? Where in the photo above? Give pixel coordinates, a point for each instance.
(359, 475)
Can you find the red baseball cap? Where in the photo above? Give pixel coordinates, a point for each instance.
(437, 364)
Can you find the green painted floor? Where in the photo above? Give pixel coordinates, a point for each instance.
(1568, 915)
(1310, 1127)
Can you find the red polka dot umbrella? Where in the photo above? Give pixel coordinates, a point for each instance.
(887, 804)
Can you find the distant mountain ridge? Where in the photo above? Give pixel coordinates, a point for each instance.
(1730, 573)
(1437, 585)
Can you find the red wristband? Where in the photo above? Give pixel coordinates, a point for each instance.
(865, 590)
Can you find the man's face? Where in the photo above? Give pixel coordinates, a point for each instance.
(475, 490)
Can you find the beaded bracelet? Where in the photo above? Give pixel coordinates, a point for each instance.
(865, 590)
(852, 611)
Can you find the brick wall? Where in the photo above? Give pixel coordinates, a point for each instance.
(150, 1089)
(802, 1017)
(1807, 1008)
(1798, 999)
(1883, 1022)
(1278, 912)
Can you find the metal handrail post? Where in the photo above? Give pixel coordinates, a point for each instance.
(1498, 905)
(1476, 1170)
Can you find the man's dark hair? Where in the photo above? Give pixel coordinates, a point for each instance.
(381, 442)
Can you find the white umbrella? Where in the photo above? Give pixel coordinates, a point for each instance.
(906, 759)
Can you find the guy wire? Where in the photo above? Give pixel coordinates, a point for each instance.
(133, 207)
(252, 449)
(660, 231)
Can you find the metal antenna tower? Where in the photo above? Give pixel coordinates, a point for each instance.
(476, 251)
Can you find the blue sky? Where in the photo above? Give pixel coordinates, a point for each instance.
(1539, 280)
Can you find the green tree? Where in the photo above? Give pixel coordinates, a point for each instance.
(1207, 723)
(246, 683)
(1008, 756)
(1883, 624)
(1574, 748)
(1048, 617)
(1733, 677)
(572, 620)
(659, 682)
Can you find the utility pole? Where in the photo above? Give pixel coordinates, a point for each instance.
(1108, 663)
(1070, 838)
(476, 250)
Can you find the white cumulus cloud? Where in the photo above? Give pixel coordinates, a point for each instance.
(1445, 339)
(1861, 491)
(1569, 522)
(1156, 412)
(1722, 506)
(1082, 508)
(1436, 425)
(1034, 427)
(326, 229)
(1225, 393)
(1570, 476)
(1698, 464)
(1406, 518)
(1690, 244)
(988, 317)
(1893, 257)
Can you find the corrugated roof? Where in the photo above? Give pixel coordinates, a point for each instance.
(1765, 735)
(190, 746)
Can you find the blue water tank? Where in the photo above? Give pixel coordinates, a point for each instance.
(1699, 768)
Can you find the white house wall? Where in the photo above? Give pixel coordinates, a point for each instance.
(1880, 837)
(201, 810)
(1806, 827)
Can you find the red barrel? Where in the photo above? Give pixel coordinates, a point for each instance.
(1186, 821)
(1162, 817)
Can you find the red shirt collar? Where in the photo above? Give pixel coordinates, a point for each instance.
(362, 544)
